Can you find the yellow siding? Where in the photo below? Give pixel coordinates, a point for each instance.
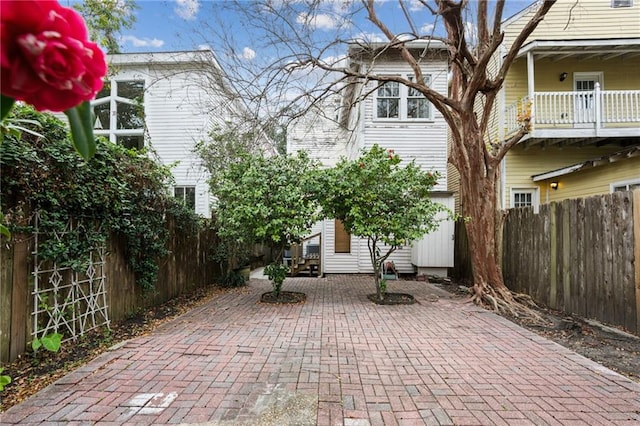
(592, 181)
(524, 163)
(580, 19)
(453, 185)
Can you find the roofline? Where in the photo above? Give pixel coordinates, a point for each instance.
(169, 57)
(593, 43)
(432, 44)
(518, 15)
(632, 152)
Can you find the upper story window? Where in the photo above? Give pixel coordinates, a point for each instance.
(417, 105)
(389, 100)
(397, 101)
(119, 111)
(621, 3)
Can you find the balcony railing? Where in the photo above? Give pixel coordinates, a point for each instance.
(595, 109)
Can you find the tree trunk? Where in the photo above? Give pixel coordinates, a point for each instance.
(478, 178)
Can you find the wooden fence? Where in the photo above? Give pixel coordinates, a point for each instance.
(579, 256)
(188, 266)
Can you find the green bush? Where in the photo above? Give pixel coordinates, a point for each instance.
(118, 190)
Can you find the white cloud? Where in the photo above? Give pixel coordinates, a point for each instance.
(426, 29)
(320, 21)
(369, 38)
(142, 42)
(204, 47)
(187, 9)
(248, 53)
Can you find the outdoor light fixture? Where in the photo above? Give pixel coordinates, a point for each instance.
(554, 185)
(563, 76)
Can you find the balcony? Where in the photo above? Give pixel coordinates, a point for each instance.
(577, 117)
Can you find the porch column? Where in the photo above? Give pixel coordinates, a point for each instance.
(531, 85)
(598, 107)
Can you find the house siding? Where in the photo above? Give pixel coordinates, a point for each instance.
(523, 163)
(183, 100)
(591, 181)
(584, 19)
(423, 140)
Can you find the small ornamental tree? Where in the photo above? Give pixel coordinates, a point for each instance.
(377, 198)
(267, 200)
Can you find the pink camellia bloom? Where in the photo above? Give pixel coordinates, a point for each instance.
(46, 58)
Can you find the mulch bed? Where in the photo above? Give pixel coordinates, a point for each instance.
(392, 299)
(284, 297)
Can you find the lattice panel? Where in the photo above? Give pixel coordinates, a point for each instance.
(67, 301)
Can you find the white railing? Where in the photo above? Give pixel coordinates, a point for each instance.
(595, 108)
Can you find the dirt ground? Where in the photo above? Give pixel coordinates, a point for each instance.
(612, 348)
(609, 346)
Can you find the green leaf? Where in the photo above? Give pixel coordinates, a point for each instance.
(36, 344)
(52, 342)
(81, 124)
(6, 103)
(5, 231)
(4, 381)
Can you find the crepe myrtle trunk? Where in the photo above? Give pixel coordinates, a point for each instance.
(478, 179)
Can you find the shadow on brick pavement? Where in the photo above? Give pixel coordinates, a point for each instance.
(337, 359)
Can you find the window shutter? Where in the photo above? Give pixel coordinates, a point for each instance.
(342, 238)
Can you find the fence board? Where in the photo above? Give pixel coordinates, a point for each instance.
(636, 250)
(578, 256)
(553, 256)
(20, 295)
(6, 289)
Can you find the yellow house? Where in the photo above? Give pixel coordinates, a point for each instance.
(578, 77)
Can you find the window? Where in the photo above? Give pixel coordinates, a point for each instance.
(629, 185)
(417, 104)
(119, 111)
(397, 101)
(389, 100)
(621, 3)
(525, 197)
(342, 240)
(186, 194)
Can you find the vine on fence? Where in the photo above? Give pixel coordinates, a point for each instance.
(123, 189)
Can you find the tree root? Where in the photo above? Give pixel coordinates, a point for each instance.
(508, 303)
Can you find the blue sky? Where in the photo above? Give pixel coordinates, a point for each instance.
(169, 25)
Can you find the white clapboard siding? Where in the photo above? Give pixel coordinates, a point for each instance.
(435, 250)
(183, 100)
(320, 135)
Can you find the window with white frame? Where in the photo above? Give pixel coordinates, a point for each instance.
(388, 100)
(417, 105)
(186, 194)
(119, 112)
(397, 101)
(628, 185)
(621, 3)
(524, 197)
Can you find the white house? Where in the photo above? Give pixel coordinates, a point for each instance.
(167, 102)
(392, 116)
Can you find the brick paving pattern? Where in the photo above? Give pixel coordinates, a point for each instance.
(441, 362)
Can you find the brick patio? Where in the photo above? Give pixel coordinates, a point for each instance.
(338, 359)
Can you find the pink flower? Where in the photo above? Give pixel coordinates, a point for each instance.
(46, 58)
(361, 165)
